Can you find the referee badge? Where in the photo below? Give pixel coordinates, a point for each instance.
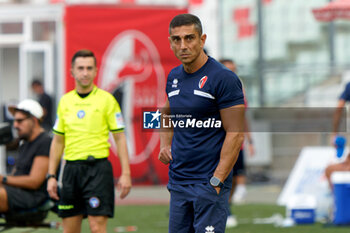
(94, 202)
(81, 114)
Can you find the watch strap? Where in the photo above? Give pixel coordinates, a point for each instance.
(49, 176)
(221, 185)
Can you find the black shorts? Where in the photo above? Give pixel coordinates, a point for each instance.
(239, 168)
(21, 199)
(87, 189)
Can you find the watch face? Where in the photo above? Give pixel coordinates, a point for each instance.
(214, 181)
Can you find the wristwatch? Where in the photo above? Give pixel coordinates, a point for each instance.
(48, 176)
(4, 180)
(216, 182)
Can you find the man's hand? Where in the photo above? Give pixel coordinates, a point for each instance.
(165, 155)
(124, 185)
(52, 188)
(217, 189)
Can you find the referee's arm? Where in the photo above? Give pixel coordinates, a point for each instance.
(233, 122)
(56, 151)
(124, 183)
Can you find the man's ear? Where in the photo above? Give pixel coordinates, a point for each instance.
(203, 39)
(170, 43)
(169, 39)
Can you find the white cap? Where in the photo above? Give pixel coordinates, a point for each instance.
(30, 106)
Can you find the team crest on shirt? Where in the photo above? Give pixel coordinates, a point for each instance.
(94, 202)
(202, 82)
(81, 114)
(175, 82)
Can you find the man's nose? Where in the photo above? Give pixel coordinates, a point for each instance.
(183, 44)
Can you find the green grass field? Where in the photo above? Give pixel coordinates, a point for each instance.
(154, 219)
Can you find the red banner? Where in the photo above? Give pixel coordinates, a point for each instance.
(196, 2)
(245, 30)
(241, 16)
(266, 1)
(133, 57)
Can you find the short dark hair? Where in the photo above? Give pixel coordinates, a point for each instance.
(83, 53)
(223, 60)
(37, 82)
(186, 19)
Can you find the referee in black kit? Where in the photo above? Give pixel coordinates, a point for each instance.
(85, 116)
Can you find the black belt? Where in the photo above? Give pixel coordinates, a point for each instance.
(90, 160)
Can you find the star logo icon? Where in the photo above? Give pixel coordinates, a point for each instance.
(151, 120)
(155, 115)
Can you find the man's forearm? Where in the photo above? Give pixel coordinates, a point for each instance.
(233, 123)
(56, 151)
(229, 154)
(166, 135)
(124, 183)
(166, 138)
(26, 182)
(122, 151)
(336, 120)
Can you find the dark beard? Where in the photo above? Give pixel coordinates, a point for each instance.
(24, 137)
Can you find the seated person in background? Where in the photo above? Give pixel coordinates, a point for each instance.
(26, 188)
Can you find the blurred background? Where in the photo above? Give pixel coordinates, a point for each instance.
(285, 58)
